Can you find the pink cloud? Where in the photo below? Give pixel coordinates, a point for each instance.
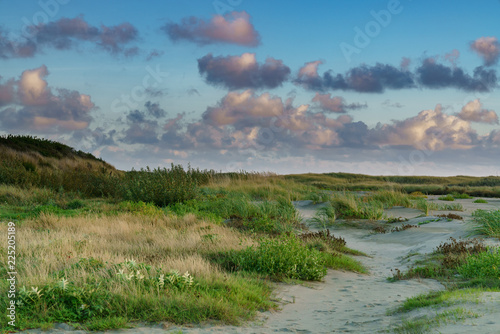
(233, 28)
(472, 112)
(334, 104)
(37, 108)
(488, 48)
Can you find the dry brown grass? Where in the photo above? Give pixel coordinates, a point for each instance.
(51, 243)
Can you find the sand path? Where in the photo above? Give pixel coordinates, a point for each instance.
(347, 302)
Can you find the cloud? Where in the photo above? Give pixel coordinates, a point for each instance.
(155, 92)
(433, 75)
(430, 130)
(32, 88)
(472, 112)
(242, 108)
(68, 34)
(154, 53)
(488, 48)
(154, 110)
(365, 79)
(389, 103)
(6, 92)
(452, 57)
(35, 107)
(335, 104)
(235, 72)
(232, 28)
(143, 126)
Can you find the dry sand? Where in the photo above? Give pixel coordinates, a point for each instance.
(348, 302)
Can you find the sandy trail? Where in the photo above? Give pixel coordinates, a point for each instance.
(347, 302)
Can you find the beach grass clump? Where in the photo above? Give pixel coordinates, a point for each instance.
(351, 206)
(450, 207)
(484, 265)
(325, 216)
(487, 222)
(391, 198)
(458, 195)
(480, 201)
(449, 198)
(282, 257)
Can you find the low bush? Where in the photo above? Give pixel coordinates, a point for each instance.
(160, 186)
(480, 200)
(483, 265)
(448, 198)
(282, 257)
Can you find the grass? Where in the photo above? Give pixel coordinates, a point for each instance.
(351, 206)
(89, 252)
(449, 198)
(487, 222)
(481, 201)
(466, 267)
(426, 323)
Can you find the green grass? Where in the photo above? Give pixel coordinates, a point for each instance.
(487, 222)
(351, 206)
(149, 293)
(480, 200)
(425, 324)
(279, 258)
(439, 299)
(448, 197)
(461, 195)
(485, 265)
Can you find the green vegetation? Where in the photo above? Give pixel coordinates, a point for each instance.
(485, 265)
(425, 323)
(282, 257)
(466, 267)
(487, 222)
(204, 243)
(349, 205)
(480, 200)
(426, 185)
(448, 197)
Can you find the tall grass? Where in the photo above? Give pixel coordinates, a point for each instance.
(487, 222)
(349, 205)
(88, 255)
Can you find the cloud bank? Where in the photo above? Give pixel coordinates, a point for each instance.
(69, 34)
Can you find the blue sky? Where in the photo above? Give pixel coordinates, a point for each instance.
(379, 87)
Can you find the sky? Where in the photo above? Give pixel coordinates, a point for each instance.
(375, 87)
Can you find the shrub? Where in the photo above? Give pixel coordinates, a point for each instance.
(448, 197)
(482, 265)
(480, 200)
(282, 257)
(160, 186)
(460, 195)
